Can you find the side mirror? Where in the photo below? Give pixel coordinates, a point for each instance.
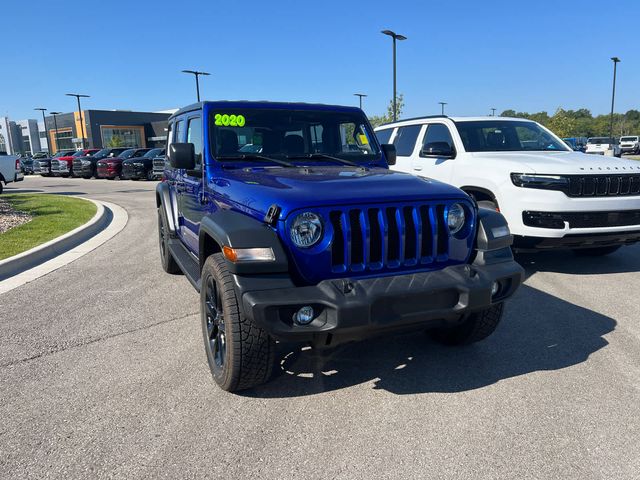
(438, 149)
(389, 151)
(182, 155)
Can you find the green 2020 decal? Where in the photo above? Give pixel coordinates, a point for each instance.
(222, 119)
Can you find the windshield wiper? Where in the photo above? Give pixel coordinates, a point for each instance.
(312, 156)
(262, 158)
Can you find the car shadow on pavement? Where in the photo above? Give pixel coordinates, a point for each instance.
(539, 332)
(625, 260)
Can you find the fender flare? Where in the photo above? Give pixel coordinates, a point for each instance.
(237, 230)
(485, 191)
(163, 200)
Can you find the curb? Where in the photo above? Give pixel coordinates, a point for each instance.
(27, 266)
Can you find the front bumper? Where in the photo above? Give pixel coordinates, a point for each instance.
(351, 309)
(108, 172)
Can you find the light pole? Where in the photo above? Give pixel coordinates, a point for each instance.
(55, 126)
(196, 74)
(442, 104)
(493, 112)
(395, 36)
(44, 124)
(360, 95)
(78, 96)
(615, 60)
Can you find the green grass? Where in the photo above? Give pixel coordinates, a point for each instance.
(53, 215)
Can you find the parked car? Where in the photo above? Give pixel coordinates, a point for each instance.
(63, 166)
(159, 166)
(313, 241)
(600, 146)
(26, 165)
(36, 161)
(44, 165)
(86, 167)
(10, 170)
(136, 168)
(112, 167)
(575, 144)
(630, 144)
(551, 197)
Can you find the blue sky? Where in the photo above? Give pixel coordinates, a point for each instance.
(529, 56)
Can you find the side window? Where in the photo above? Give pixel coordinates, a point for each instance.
(177, 135)
(405, 140)
(194, 135)
(384, 135)
(437, 133)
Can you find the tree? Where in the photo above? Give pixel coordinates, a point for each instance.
(562, 124)
(378, 120)
(115, 141)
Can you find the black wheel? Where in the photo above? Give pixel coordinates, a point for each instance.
(169, 264)
(134, 179)
(596, 252)
(150, 176)
(1, 187)
(240, 354)
(477, 326)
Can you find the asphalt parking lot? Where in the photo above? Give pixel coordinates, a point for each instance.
(103, 374)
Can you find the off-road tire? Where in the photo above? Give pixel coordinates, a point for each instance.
(1, 187)
(596, 252)
(167, 261)
(477, 326)
(248, 349)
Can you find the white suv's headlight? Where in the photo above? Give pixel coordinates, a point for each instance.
(306, 230)
(455, 218)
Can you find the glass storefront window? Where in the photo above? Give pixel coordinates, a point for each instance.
(64, 140)
(122, 137)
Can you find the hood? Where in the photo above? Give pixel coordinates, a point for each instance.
(112, 160)
(555, 163)
(296, 188)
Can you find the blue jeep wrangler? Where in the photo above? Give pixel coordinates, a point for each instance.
(287, 220)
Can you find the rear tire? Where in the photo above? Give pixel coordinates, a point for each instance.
(477, 326)
(167, 261)
(596, 252)
(240, 354)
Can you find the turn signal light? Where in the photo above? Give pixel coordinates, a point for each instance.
(235, 255)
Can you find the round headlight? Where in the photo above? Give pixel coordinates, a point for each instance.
(306, 230)
(455, 218)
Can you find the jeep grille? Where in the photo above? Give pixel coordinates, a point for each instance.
(388, 237)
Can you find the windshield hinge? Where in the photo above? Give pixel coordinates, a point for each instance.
(271, 218)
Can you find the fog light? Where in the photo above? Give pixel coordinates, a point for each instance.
(304, 316)
(495, 288)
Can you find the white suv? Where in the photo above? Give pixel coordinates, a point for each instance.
(602, 146)
(630, 144)
(551, 196)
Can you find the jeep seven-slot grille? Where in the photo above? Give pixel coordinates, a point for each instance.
(603, 185)
(378, 237)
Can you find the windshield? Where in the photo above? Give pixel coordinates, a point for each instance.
(629, 139)
(152, 153)
(599, 140)
(507, 136)
(291, 134)
(63, 154)
(101, 153)
(140, 153)
(127, 153)
(79, 153)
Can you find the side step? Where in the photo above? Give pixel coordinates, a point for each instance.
(186, 261)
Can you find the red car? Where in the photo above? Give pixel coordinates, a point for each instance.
(63, 166)
(112, 167)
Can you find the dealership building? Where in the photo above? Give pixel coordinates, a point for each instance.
(99, 128)
(107, 128)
